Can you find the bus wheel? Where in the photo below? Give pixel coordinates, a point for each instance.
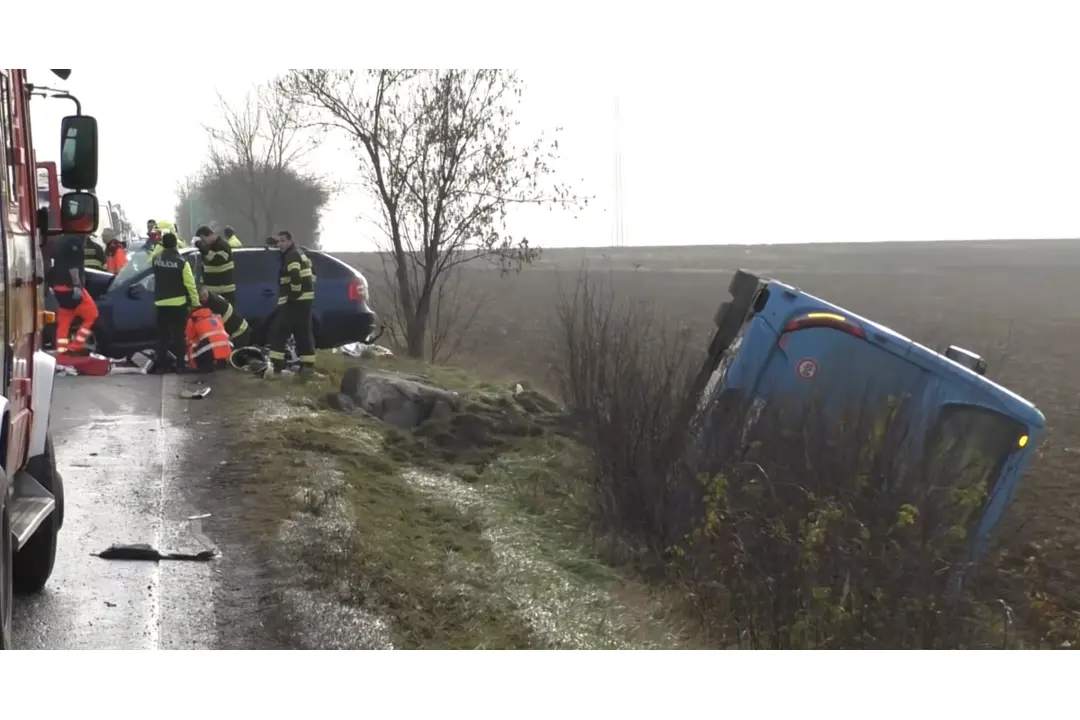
(5, 574)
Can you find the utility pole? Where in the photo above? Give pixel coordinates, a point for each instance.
(617, 176)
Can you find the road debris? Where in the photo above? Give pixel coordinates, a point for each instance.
(195, 394)
(148, 553)
(92, 364)
(361, 350)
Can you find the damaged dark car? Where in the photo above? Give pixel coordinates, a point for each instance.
(127, 320)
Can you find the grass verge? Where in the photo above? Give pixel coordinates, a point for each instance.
(464, 534)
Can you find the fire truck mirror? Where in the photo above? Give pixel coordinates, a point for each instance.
(78, 152)
(79, 212)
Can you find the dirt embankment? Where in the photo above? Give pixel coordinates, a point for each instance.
(469, 532)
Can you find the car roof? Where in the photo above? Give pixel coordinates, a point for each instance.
(315, 253)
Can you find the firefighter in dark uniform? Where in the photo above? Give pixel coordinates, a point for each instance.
(93, 255)
(66, 278)
(297, 291)
(235, 325)
(175, 294)
(217, 263)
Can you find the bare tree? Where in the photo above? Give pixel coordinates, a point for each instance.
(454, 310)
(259, 140)
(436, 152)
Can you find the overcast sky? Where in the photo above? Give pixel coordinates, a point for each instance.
(789, 126)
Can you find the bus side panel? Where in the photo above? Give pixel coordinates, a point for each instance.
(828, 371)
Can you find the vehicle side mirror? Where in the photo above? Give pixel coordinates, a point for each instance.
(79, 152)
(79, 213)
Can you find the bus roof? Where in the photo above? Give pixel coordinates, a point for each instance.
(1005, 400)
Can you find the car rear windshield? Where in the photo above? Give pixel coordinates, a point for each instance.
(966, 450)
(330, 268)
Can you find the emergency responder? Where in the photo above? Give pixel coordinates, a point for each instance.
(115, 253)
(217, 263)
(174, 294)
(67, 280)
(297, 291)
(235, 325)
(156, 248)
(94, 253)
(208, 346)
(271, 243)
(151, 225)
(153, 242)
(230, 237)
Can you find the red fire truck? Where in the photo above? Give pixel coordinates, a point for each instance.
(31, 489)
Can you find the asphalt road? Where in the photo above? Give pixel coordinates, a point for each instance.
(132, 455)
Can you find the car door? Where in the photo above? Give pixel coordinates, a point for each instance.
(256, 276)
(132, 304)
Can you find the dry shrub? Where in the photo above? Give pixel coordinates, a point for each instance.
(807, 530)
(822, 531)
(623, 374)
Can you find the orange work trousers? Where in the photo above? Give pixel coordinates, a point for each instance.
(66, 312)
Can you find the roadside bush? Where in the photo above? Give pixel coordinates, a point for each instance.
(821, 532)
(801, 530)
(623, 374)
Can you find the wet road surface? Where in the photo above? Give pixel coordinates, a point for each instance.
(123, 446)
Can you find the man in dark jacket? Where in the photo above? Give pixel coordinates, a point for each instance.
(293, 318)
(94, 253)
(174, 295)
(217, 263)
(235, 325)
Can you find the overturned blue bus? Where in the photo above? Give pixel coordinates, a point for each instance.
(775, 344)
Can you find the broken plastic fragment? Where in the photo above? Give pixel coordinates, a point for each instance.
(148, 553)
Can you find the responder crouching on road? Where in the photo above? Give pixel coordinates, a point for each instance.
(208, 346)
(235, 325)
(174, 294)
(115, 252)
(297, 291)
(217, 263)
(67, 279)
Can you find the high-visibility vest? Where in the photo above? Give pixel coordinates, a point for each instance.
(206, 333)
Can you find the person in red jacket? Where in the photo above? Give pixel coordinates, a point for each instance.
(115, 252)
(67, 278)
(208, 344)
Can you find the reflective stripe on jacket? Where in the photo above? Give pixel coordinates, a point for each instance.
(297, 277)
(218, 267)
(205, 333)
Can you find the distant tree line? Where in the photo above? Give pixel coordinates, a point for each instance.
(253, 177)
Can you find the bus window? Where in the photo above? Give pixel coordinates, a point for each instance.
(966, 450)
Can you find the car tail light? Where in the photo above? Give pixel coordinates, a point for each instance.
(358, 290)
(824, 319)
